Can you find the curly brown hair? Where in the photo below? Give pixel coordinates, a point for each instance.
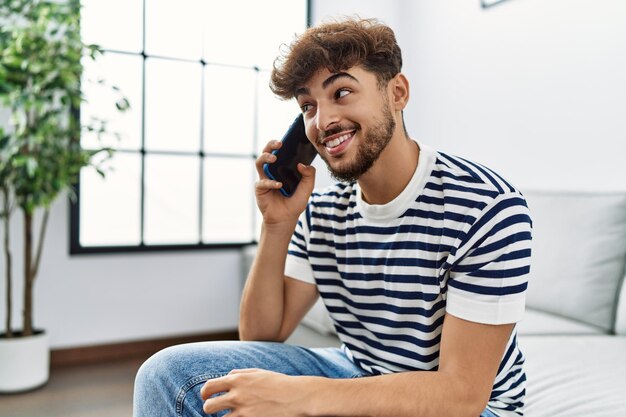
(337, 46)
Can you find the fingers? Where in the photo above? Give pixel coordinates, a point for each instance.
(266, 156)
(264, 185)
(216, 404)
(214, 386)
(307, 183)
(244, 371)
(225, 400)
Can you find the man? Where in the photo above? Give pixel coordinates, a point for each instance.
(420, 257)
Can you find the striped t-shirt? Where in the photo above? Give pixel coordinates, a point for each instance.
(456, 240)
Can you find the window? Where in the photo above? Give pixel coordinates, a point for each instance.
(196, 74)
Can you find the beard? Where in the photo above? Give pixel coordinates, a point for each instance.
(372, 145)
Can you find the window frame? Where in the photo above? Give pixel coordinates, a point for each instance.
(75, 247)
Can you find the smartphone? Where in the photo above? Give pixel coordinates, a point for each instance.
(296, 149)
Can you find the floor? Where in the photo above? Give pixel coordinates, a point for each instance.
(85, 391)
(104, 390)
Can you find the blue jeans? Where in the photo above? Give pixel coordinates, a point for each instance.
(168, 384)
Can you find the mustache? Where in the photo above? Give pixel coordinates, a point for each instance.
(336, 129)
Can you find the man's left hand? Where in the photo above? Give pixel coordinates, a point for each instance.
(255, 392)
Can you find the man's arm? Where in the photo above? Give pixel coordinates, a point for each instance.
(272, 304)
(469, 360)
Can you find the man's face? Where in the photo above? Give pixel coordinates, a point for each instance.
(348, 119)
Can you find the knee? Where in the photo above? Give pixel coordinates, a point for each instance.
(156, 373)
(176, 367)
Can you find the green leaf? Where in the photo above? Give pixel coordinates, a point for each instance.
(122, 104)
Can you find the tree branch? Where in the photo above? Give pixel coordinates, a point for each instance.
(42, 235)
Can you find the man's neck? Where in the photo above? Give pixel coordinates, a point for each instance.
(392, 172)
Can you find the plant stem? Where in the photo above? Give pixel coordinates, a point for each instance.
(42, 235)
(7, 254)
(31, 268)
(28, 280)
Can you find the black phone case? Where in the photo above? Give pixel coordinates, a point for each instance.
(296, 149)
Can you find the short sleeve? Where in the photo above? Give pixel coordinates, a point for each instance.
(488, 282)
(297, 265)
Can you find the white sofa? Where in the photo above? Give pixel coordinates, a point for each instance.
(574, 330)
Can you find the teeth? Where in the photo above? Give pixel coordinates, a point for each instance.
(338, 141)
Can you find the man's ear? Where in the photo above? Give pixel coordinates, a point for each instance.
(399, 90)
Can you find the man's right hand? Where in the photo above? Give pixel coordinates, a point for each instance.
(275, 207)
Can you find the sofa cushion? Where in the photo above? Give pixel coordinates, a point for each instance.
(318, 319)
(575, 376)
(537, 322)
(579, 248)
(620, 320)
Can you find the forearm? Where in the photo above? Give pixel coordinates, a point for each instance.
(261, 311)
(410, 394)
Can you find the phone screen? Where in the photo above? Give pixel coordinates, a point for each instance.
(296, 149)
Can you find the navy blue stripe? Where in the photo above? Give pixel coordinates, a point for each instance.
(479, 289)
(299, 245)
(440, 161)
(308, 217)
(509, 377)
(462, 166)
(427, 199)
(493, 212)
(391, 349)
(298, 254)
(489, 173)
(374, 292)
(449, 200)
(321, 255)
(325, 268)
(333, 205)
(397, 337)
(390, 245)
(459, 218)
(390, 278)
(501, 273)
(508, 354)
(342, 194)
(503, 224)
(336, 218)
(520, 381)
(506, 241)
(448, 174)
(394, 350)
(446, 186)
(383, 307)
(511, 256)
(390, 231)
(435, 186)
(394, 324)
(386, 261)
(447, 215)
(298, 234)
(486, 174)
(423, 214)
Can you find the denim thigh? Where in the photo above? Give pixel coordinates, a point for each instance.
(168, 384)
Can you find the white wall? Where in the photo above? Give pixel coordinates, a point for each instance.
(92, 299)
(534, 89)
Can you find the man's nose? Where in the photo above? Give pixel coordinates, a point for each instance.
(326, 117)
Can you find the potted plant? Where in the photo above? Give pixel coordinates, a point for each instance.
(40, 153)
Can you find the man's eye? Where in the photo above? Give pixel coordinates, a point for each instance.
(305, 108)
(342, 93)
